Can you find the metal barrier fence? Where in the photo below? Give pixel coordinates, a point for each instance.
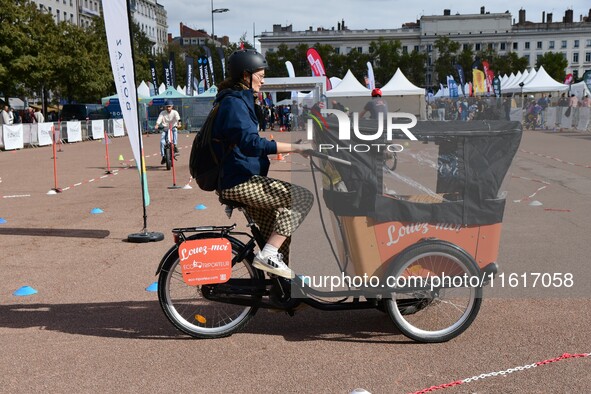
(33, 134)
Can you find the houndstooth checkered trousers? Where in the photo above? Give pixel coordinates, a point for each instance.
(274, 205)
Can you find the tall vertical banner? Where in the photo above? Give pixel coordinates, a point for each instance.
(317, 66)
(209, 62)
(205, 71)
(120, 52)
(461, 77)
(172, 69)
(452, 86)
(478, 80)
(497, 86)
(291, 74)
(370, 76)
(489, 75)
(200, 88)
(165, 66)
(154, 76)
(222, 57)
(587, 79)
(189, 83)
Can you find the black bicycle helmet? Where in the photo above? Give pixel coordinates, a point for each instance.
(248, 60)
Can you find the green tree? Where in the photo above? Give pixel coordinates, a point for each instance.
(413, 66)
(82, 68)
(509, 63)
(18, 45)
(385, 57)
(444, 65)
(554, 63)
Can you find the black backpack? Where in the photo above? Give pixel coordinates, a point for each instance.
(205, 165)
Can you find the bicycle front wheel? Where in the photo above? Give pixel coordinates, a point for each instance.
(188, 309)
(440, 301)
(168, 157)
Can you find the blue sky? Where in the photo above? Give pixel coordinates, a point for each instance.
(243, 15)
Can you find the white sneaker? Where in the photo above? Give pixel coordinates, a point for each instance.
(273, 265)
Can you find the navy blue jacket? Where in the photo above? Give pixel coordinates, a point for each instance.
(236, 125)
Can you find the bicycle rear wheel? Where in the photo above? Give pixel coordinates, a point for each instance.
(435, 310)
(187, 308)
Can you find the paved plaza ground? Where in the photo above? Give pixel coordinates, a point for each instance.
(93, 327)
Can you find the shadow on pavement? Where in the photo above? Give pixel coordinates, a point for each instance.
(55, 232)
(145, 320)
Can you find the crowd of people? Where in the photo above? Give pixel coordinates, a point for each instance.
(9, 116)
(287, 117)
(535, 109)
(493, 108)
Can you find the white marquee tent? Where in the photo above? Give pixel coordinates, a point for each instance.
(349, 87)
(541, 82)
(400, 85)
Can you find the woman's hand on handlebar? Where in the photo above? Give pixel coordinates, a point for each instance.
(303, 149)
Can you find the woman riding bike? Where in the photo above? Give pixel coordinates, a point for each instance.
(277, 206)
(168, 118)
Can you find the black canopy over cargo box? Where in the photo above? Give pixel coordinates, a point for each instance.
(472, 161)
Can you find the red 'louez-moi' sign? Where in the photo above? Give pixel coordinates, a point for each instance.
(206, 261)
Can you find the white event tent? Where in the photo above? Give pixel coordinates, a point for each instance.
(403, 96)
(541, 82)
(349, 87)
(400, 85)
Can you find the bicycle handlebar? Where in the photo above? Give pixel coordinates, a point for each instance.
(327, 157)
(324, 156)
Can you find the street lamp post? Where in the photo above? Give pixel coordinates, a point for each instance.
(215, 11)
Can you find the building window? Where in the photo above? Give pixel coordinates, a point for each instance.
(515, 46)
(527, 45)
(588, 43)
(588, 57)
(576, 44)
(527, 57)
(538, 57)
(429, 61)
(576, 57)
(429, 48)
(539, 45)
(576, 74)
(503, 46)
(477, 47)
(551, 45)
(563, 54)
(416, 48)
(563, 44)
(405, 49)
(465, 47)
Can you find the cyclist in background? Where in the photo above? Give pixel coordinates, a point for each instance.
(375, 106)
(168, 118)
